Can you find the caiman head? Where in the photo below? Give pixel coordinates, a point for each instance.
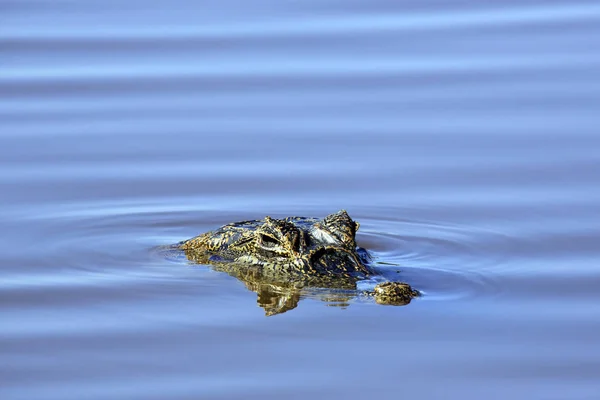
(293, 244)
(277, 258)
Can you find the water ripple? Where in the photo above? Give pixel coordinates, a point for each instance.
(340, 24)
(112, 246)
(300, 68)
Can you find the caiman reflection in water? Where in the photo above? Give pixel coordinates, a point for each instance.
(279, 258)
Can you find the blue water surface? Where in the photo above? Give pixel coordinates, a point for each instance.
(463, 136)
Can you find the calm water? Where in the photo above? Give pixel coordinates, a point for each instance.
(463, 136)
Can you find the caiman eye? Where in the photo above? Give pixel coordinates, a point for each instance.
(268, 242)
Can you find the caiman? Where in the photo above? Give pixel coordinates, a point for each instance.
(279, 258)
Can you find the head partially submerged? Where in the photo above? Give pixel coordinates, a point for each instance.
(278, 258)
(295, 244)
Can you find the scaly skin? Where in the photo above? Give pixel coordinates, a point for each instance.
(278, 257)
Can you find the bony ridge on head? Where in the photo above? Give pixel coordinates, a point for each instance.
(341, 226)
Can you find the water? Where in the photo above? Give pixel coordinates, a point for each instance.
(462, 136)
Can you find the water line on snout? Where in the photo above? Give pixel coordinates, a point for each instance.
(320, 252)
